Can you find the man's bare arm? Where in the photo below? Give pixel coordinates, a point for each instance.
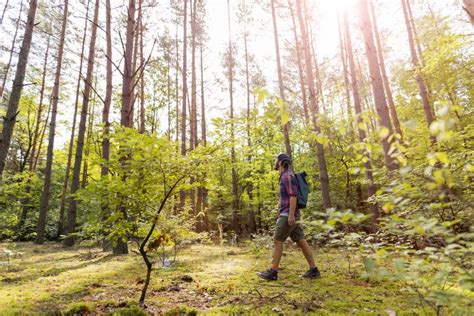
(291, 216)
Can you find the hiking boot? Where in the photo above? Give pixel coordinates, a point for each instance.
(270, 275)
(312, 273)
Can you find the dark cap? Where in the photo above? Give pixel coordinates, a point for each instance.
(280, 158)
(283, 157)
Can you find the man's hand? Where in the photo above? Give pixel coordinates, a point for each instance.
(291, 220)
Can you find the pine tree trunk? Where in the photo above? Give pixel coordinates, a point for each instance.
(193, 113)
(12, 49)
(324, 177)
(300, 65)
(345, 73)
(40, 108)
(108, 92)
(176, 82)
(168, 88)
(182, 200)
(280, 77)
(62, 207)
(422, 88)
(128, 95)
(88, 140)
(386, 82)
(141, 128)
(12, 109)
(44, 205)
(3, 12)
(72, 209)
(376, 82)
(358, 110)
(235, 201)
(43, 132)
(203, 139)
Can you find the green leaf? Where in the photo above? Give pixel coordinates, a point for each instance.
(383, 133)
(442, 157)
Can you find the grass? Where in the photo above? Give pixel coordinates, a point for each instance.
(49, 279)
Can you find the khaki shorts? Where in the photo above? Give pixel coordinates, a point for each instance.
(283, 230)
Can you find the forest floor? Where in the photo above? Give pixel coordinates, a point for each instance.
(205, 279)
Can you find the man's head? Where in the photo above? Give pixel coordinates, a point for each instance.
(282, 162)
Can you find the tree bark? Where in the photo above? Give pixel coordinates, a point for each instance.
(235, 200)
(141, 128)
(203, 137)
(108, 92)
(280, 77)
(44, 205)
(73, 129)
(40, 108)
(324, 177)
(193, 115)
(12, 109)
(3, 12)
(358, 109)
(376, 82)
(177, 81)
(182, 200)
(12, 49)
(386, 82)
(422, 88)
(342, 53)
(300, 65)
(72, 209)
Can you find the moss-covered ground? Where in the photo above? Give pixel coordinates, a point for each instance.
(205, 279)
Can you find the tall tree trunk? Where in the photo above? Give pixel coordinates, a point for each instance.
(168, 87)
(3, 12)
(280, 77)
(345, 72)
(62, 207)
(141, 128)
(422, 88)
(203, 135)
(249, 138)
(300, 65)
(193, 135)
(386, 82)
(176, 82)
(235, 200)
(416, 37)
(40, 107)
(108, 92)
(126, 119)
(12, 49)
(309, 32)
(135, 64)
(12, 110)
(377, 82)
(104, 167)
(44, 205)
(358, 109)
(128, 95)
(43, 132)
(182, 200)
(88, 141)
(193, 114)
(324, 177)
(72, 209)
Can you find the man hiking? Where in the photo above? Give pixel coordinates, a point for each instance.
(287, 224)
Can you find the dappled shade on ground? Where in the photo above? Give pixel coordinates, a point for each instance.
(207, 278)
